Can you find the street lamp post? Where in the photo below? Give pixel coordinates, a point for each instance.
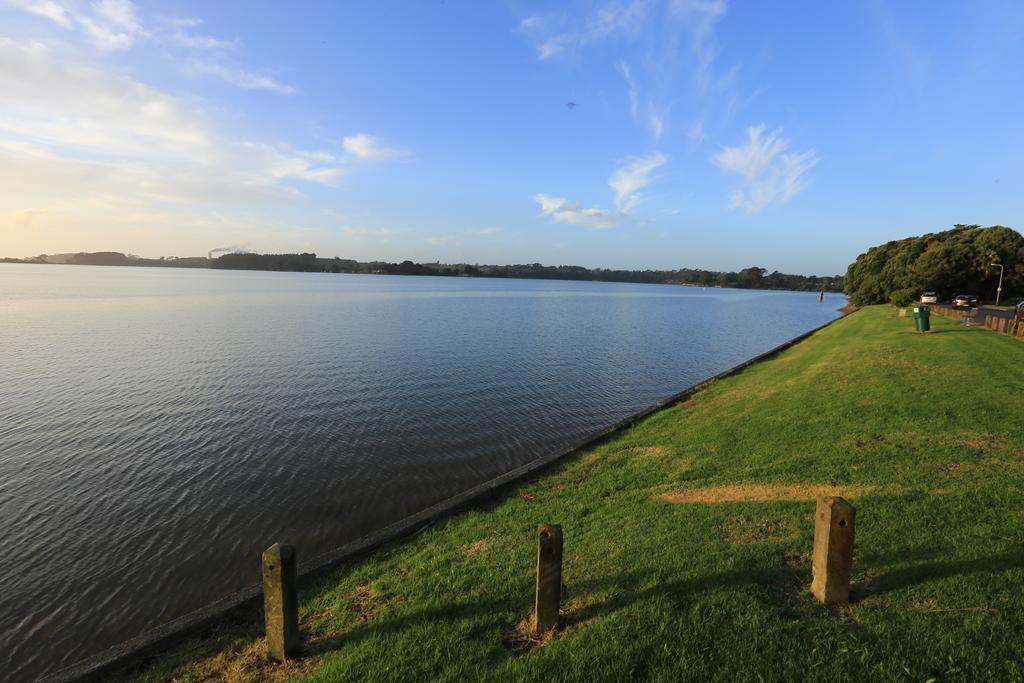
(999, 289)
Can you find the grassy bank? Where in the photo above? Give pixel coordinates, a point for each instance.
(688, 538)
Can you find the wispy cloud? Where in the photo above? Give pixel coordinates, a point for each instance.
(43, 8)
(115, 25)
(108, 24)
(655, 116)
(700, 17)
(112, 24)
(180, 22)
(633, 176)
(562, 210)
(488, 230)
(771, 174)
(673, 37)
(238, 77)
(634, 96)
(552, 36)
(198, 41)
(696, 132)
(370, 148)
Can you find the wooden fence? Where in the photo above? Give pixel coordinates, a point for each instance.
(1009, 327)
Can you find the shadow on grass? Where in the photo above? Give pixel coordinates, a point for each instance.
(782, 589)
(931, 571)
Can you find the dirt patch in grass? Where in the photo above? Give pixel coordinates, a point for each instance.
(251, 664)
(528, 496)
(764, 492)
(520, 640)
(976, 441)
(363, 603)
(575, 614)
(476, 548)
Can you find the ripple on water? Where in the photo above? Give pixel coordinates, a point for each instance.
(152, 445)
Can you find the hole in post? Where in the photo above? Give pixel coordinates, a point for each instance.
(842, 523)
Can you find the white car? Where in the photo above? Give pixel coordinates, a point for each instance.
(929, 298)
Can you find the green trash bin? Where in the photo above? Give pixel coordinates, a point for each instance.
(922, 321)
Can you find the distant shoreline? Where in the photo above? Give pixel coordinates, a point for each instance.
(748, 278)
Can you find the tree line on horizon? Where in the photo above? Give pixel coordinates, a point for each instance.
(754, 277)
(748, 278)
(951, 262)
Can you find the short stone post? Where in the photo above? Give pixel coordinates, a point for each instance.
(833, 550)
(280, 602)
(549, 578)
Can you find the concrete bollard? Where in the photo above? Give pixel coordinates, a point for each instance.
(280, 602)
(833, 550)
(549, 578)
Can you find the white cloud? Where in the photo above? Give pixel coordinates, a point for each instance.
(439, 240)
(83, 131)
(634, 96)
(633, 176)
(370, 148)
(43, 8)
(241, 78)
(657, 125)
(198, 41)
(612, 17)
(181, 22)
(108, 24)
(563, 211)
(531, 23)
(487, 230)
(112, 24)
(771, 175)
(701, 17)
(696, 133)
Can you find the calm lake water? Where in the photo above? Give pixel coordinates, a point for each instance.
(160, 427)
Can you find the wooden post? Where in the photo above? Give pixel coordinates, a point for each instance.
(833, 550)
(549, 578)
(280, 602)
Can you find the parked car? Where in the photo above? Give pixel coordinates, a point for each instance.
(965, 301)
(929, 298)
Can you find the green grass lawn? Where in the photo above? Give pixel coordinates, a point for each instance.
(924, 432)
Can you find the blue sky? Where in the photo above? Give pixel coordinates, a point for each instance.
(618, 133)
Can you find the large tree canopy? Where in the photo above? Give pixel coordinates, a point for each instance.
(949, 262)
